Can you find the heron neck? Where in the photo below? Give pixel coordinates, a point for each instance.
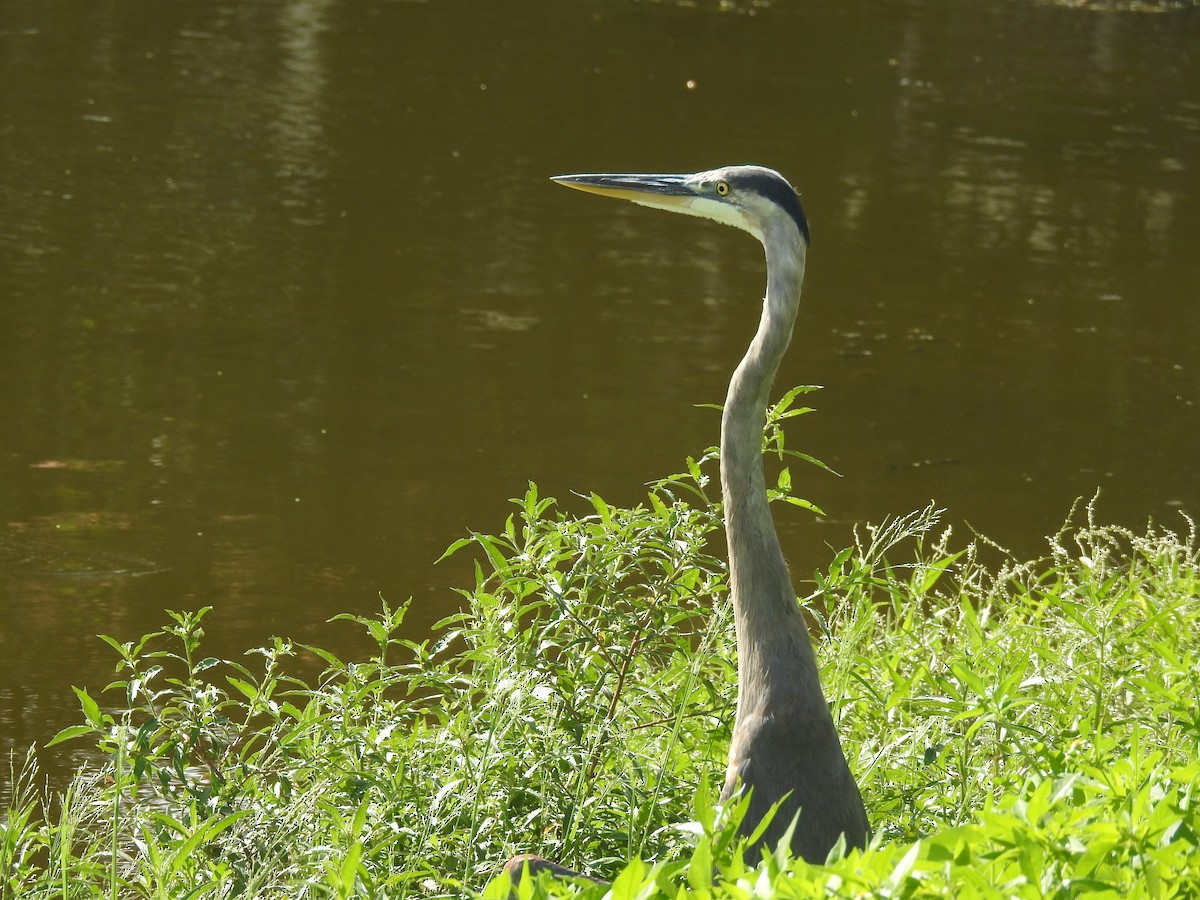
(764, 601)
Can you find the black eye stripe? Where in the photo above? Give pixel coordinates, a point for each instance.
(776, 189)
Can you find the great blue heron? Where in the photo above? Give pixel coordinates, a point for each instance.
(785, 748)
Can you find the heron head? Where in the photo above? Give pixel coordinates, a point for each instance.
(751, 198)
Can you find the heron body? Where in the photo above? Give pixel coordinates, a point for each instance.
(785, 748)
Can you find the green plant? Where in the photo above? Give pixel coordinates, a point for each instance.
(1020, 729)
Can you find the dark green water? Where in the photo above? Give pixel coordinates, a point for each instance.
(287, 303)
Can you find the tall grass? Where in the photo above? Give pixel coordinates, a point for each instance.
(1019, 729)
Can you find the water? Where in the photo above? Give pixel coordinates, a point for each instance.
(287, 303)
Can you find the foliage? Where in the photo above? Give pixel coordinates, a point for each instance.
(1019, 729)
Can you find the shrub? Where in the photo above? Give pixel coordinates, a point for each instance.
(1018, 729)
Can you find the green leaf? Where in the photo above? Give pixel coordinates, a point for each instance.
(348, 872)
(205, 833)
(813, 461)
(784, 481)
(899, 875)
(628, 884)
(70, 733)
(249, 690)
(804, 504)
(498, 560)
(700, 870)
(326, 655)
(970, 679)
(91, 709)
(934, 571)
(454, 548)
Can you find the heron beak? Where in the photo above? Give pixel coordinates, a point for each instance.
(659, 191)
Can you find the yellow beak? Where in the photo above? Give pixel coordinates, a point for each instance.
(661, 191)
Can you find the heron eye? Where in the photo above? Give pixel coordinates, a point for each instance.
(723, 188)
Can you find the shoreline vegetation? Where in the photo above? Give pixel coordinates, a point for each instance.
(1018, 728)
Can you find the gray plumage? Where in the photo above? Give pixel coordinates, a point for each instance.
(785, 747)
(784, 740)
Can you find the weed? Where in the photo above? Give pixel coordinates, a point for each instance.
(1028, 729)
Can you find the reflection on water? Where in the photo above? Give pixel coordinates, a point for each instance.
(287, 303)
(298, 133)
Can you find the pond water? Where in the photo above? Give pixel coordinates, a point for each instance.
(287, 303)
